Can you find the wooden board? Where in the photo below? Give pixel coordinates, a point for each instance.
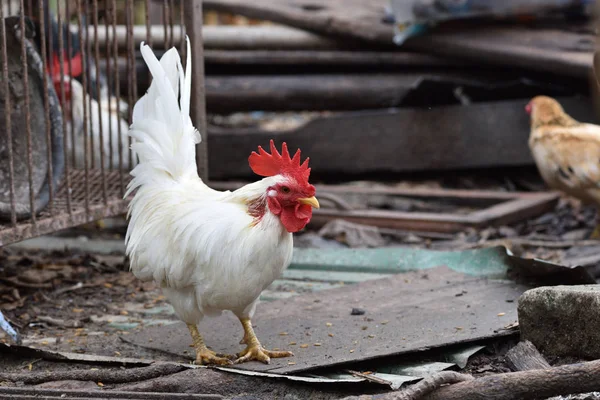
(546, 50)
(395, 141)
(349, 18)
(405, 313)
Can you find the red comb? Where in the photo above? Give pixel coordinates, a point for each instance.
(265, 164)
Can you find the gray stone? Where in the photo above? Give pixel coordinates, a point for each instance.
(562, 320)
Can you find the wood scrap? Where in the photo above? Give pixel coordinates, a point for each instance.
(525, 356)
(100, 375)
(544, 50)
(342, 18)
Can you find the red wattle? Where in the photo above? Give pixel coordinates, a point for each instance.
(295, 218)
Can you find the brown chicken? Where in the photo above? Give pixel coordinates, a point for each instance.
(566, 151)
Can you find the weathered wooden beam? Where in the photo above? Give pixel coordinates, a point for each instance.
(553, 51)
(481, 135)
(346, 18)
(227, 94)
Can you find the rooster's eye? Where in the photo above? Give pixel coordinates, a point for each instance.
(285, 189)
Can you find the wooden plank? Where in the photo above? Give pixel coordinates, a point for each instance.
(481, 135)
(545, 50)
(404, 314)
(226, 94)
(345, 18)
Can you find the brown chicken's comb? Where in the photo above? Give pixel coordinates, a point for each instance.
(265, 164)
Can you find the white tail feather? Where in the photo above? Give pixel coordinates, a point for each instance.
(164, 138)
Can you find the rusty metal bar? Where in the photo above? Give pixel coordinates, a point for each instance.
(148, 25)
(134, 78)
(165, 18)
(70, 74)
(182, 49)
(84, 76)
(46, 67)
(61, 51)
(193, 25)
(99, 101)
(89, 69)
(130, 72)
(171, 23)
(8, 123)
(117, 93)
(27, 120)
(109, 91)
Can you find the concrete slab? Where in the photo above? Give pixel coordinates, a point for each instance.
(562, 320)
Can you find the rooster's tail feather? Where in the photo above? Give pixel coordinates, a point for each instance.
(164, 138)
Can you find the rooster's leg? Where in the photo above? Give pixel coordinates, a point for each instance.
(203, 354)
(254, 350)
(245, 338)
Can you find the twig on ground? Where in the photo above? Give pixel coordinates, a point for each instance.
(102, 375)
(71, 323)
(25, 285)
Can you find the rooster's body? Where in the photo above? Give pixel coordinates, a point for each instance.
(208, 250)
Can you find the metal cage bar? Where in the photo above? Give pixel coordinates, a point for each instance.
(77, 109)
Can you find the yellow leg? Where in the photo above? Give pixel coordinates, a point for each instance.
(245, 338)
(203, 354)
(254, 350)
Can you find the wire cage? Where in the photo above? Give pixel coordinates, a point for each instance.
(68, 83)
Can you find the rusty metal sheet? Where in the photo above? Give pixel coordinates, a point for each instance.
(404, 313)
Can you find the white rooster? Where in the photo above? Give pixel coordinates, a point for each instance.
(208, 250)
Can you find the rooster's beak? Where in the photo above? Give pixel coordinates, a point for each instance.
(311, 201)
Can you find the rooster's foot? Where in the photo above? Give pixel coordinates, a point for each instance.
(206, 356)
(258, 353)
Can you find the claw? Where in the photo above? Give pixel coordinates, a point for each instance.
(206, 356)
(258, 353)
